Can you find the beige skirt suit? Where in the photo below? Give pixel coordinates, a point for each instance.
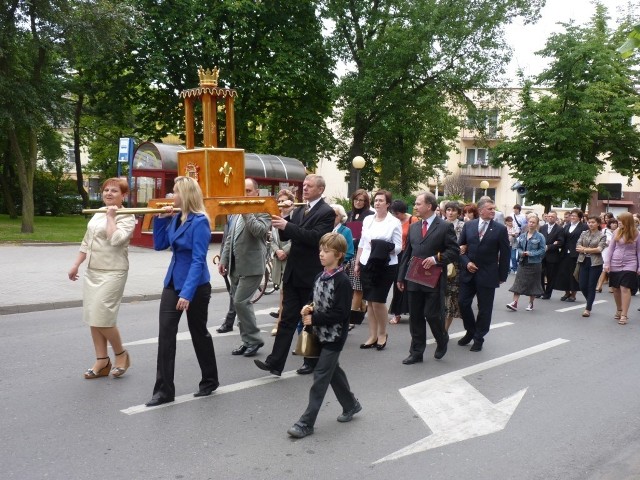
(107, 268)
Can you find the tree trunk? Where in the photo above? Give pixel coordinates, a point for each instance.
(9, 203)
(77, 116)
(25, 166)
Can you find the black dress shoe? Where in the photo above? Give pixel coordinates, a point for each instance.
(251, 350)
(476, 347)
(300, 430)
(155, 401)
(442, 347)
(239, 350)
(205, 392)
(466, 340)
(224, 328)
(304, 369)
(411, 359)
(265, 366)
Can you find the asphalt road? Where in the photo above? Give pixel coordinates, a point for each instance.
(578, 418)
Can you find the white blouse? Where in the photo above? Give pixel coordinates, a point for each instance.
(389, 229)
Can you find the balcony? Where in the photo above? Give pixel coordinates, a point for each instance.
(480, 171)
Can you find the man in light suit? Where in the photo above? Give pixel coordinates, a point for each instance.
(484, 265)
(554, 237)
(243, 260)
(306, 225)
(434, 240)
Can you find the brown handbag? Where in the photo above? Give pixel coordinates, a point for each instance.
(308, 344)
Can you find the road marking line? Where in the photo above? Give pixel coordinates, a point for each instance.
(220, 391)
(251, 383)
(187, 335)
(579, 306)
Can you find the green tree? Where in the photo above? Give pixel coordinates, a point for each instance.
(410, 64)
(31, 87)
(273, 53)
(579, 121)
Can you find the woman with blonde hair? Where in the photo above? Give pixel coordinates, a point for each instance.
(105, 246)
(186, 289)
(622, 262)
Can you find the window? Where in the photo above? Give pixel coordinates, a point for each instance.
(477, 156)
(484, 120)
(473, 194)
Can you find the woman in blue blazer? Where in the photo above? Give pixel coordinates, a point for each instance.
(186, 288)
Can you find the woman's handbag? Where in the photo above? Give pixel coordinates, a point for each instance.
(308, 344)
(576, 272)
(452, 271)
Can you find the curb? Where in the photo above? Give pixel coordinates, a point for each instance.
(40, 307)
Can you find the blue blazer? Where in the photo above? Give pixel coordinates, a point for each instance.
(190, 244)
(491, 255)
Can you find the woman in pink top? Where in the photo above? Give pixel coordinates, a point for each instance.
(622, 262)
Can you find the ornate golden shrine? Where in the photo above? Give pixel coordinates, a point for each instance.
(218, 170)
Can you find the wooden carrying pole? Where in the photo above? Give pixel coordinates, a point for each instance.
(130, 211)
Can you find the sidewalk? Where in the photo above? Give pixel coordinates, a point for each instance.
(35, 276)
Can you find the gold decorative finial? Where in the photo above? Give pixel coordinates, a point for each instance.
(208, 78)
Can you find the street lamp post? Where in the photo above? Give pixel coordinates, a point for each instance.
(484, 185)
(358, 164)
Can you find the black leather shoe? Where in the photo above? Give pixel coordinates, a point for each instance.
(239, 350)
(476, 347)
(300, 430)
(348, 415)
(155, 401)
(442, 347)
(265, 366)
(304, 369)
(224, 328)
(205, 392)
(251, 350)
(410, 360)
(466, 340)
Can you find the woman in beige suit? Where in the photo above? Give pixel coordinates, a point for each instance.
(105, 248)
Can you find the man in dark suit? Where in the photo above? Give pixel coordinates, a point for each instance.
(554, 236)
(305, 227)
(484, 265)
(434, 240)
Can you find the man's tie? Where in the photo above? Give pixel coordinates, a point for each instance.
(483, 228)
(237, 227)
(425, 227)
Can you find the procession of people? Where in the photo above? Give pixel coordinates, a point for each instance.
(443, 262)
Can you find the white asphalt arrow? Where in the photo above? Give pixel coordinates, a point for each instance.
(454, 410)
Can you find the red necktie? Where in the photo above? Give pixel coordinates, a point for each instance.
(425, 226)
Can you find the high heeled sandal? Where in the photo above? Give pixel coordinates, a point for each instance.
(103, 372)
(623, 320)
(119, 371)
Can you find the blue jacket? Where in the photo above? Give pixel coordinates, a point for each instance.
(535, 246)
(348, 236)
(190, 244)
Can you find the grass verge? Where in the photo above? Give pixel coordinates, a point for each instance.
(68, 228)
